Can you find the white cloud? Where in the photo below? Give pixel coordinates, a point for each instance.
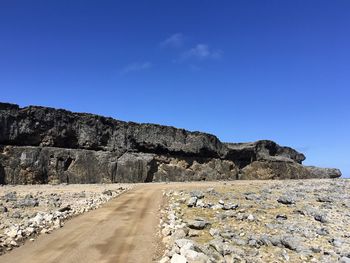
(174, 41)
(201, 52)
(136, 66)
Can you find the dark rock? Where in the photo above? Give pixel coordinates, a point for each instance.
(322, 231)
(275, 170)
(197, 194)
(276, 240)
(281, 217)
(41, 126)
(336, 242)
(64, 209)
(3, 209)
(315, 249)
(265, 240)
(28, 201)
(192, 201)
(16, 214)
(10, 197)
(221, 247)
(321, 218)
(324, 199)
(230, 206)
(55, 200)
(251, 197)
(107, 192)
(245, 153)
(291, 243)
(46, 145)
(319, 172)
(286, 200)
(198, 224)
(228, 234)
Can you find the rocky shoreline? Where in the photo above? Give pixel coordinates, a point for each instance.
(29, 211)
(270, 221)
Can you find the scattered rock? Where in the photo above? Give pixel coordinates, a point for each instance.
(192, 201)
(3, 209)
(198, 224)
(107, 192)
(10, 197)
(322, 231)
(321, 218)
(250, 217)
(281, 217)
(291, 243)
(324, 199)
(64, 209)
(286, 200)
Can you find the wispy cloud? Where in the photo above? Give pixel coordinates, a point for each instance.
(201, 52)
(174, 41)
(136, 66)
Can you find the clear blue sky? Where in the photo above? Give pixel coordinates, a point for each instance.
(242, 70)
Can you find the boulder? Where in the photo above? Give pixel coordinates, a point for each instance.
(263, 170)
(319, 172)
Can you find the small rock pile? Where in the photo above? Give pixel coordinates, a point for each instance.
(28, 211)
(271, 221)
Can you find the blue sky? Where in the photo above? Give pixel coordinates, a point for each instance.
(242, 70)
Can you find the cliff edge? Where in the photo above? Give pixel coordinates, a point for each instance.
(46, 145)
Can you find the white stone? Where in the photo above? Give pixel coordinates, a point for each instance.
(37, 220)
(184, 242)
(250, 217)
(12, 231)
(29, 230)
(166, 231)
(188, 253)
(13, 243)
(178, 259)
(164, 260)
(48, 217)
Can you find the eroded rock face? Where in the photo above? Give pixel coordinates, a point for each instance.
(194, 169)
(29, 165)
(40, 126)
(45, 145)
(324, 172)
(275, 170)
(245, 153)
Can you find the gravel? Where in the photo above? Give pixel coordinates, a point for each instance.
(259, 221)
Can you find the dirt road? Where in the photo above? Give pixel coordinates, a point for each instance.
(123, 230)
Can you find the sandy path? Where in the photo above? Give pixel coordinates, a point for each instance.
(123, 230)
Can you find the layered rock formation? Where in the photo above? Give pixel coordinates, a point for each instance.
(46, 145)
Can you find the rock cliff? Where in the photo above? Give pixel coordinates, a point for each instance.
(46, 145)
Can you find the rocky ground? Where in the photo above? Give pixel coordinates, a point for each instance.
(259, 221)
(29, 210)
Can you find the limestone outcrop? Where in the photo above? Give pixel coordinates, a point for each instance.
(46, 145)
